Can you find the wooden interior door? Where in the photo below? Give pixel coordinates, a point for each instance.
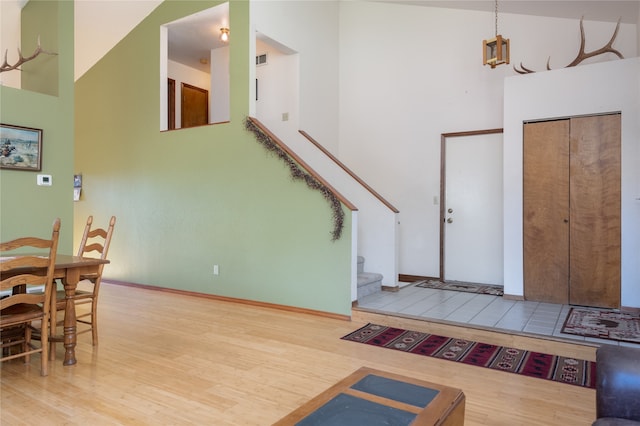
(546, 211)
(572, 197)
(595, 237)
(195, 106)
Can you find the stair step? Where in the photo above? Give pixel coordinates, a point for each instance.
(365, 278)
(369, 283)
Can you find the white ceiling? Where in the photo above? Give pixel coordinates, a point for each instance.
(101, 24)
(606, 10)
(192, 38)
(100, 20)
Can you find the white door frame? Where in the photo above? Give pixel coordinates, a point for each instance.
(443, 185)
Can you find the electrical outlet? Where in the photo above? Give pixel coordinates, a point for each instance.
(216, 270)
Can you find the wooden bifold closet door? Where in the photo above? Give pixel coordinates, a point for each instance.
(571, 211)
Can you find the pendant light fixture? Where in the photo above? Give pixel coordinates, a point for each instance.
(224, 34)
(495, 51)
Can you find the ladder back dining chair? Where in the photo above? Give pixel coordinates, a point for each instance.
(95, 243)
(20, 308)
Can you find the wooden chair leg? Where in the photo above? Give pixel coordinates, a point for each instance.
(44, 340)
(52, 345)
(27, 343)
(94, 321)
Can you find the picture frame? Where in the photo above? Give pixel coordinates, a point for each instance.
(20, 148)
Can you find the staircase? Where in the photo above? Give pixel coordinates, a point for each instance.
(368, 282)
(374, 220)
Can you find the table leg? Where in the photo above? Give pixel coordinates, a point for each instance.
(70, 328)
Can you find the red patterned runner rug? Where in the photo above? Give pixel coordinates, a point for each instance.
(532, 364)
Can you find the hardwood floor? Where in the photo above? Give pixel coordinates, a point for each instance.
(173, 359)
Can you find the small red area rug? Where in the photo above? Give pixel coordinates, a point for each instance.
(603, 324)
(532, 364)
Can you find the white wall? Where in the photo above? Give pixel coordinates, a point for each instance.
(310, 27)
(220, 83)
(591, 89)
(278, 90)
(638, 34)
(409, 73)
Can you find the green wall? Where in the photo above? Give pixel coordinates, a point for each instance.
(42, 75)
(25, 208)
(189, 199)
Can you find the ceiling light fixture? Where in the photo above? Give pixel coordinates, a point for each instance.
(495, 51)
(224, 34)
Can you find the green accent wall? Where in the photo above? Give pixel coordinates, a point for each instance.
(25, 208)
(42, 74)
(189, 199)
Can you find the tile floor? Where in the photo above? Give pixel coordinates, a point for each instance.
(480, 310)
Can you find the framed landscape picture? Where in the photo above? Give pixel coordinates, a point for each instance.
(20, 148)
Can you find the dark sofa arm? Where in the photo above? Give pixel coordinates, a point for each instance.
(618, 383)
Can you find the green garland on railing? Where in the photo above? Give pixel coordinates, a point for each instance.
(297, 173)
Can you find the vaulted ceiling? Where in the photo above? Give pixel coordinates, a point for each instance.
(100, 24)
(627, 11)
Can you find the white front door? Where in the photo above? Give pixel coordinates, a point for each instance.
(473, 225)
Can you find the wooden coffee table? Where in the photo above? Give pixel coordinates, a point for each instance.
(375, 397)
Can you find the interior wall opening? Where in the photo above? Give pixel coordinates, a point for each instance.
(195, 54)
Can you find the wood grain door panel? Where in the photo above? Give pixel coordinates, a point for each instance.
(195, 106)
(595, 211)
(545, 210)
(171, 100)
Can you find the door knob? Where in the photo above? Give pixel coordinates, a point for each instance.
(450, 210)
(450, 220)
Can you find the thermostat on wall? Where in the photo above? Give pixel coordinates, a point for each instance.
(45, 180)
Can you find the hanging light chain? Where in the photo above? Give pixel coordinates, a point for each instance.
(496, 18)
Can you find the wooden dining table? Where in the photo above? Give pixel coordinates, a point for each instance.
(69, 269)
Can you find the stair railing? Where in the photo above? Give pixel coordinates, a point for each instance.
(313, 179)
(349, 172)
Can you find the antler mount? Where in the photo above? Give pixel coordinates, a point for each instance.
(21, 59)
(582, 55)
